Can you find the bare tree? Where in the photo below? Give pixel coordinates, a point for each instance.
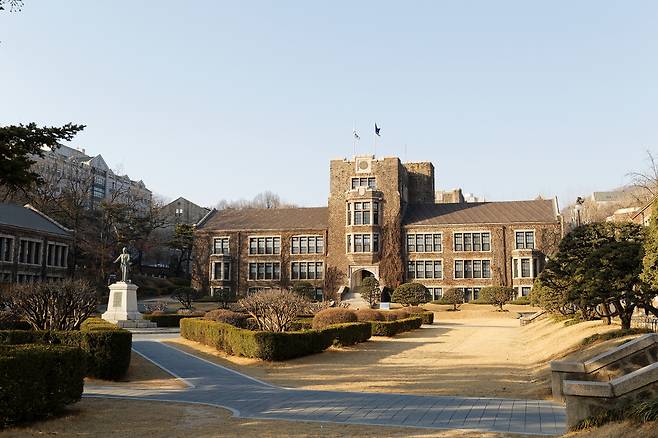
(333, 279)
(265, 199)
(647, 181)
(274, 310)
(52, 306)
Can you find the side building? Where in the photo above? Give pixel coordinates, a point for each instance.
(33, 247)
(381, 220)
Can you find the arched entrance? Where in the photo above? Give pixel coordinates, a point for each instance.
(358, 276)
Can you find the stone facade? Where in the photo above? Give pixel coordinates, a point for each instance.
(374, 206)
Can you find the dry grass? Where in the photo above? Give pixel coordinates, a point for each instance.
(624, 429)
(133, 418)
(483, 353)
(141, 374)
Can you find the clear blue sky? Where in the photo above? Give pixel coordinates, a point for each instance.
(212, 100)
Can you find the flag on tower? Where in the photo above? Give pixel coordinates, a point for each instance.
(377, 129)
(356, 136)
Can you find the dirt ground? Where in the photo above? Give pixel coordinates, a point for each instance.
(474, 352)
(141, 374)
(133, 418)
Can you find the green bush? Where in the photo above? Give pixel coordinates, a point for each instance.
(91, 324)
(38, 380)
(302, 323)
(274, 346)
(107, 352)
(392, 328)
(350, 333)
(411, 294)
(168, 319)
(497, 296)
(333, 315)
(428, 317)
(521, 301)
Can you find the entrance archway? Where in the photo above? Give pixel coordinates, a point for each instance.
(358, 276)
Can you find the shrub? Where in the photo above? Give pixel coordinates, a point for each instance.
(107, 352)
(169, 319)
(158, 306)
(368, 315)
(411, 294)
(228, 316)
(62, 305)
(497, 296)
(454, 297)
(186, 295)
(521, 301)
(334, 315)
(270, 345)
(392, 328)
(274, 310)
(406, 312)
(301, 324)
(91, 324)
(38, 380)
(391, 315)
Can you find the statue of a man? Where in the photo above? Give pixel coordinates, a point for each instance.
(124, 259)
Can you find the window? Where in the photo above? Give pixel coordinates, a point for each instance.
(363, 213)
(472, 269)
(525, 291)
(220, 246)
(30, 252)
(435, 292)
(265, 271)
(480, 241)
(179, 212)
(221, 271)
(306, 270)
(6, 249)
(424, 269)
(424, 242)
(525, 239)
(470, 293)
(264, 245)
(525, 268)
(98, 192)
(307, 245)
(56, 255)
(368, 182)
(363, 243)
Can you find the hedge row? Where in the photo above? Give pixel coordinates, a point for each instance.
(93, 324)
(107, 352)
(428, 317)
(302, 323)
(392, 328)
(271, 345)
(38, 380)
(167, 319)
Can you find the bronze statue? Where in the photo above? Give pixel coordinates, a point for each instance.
(124, 259)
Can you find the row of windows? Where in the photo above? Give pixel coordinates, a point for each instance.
(472, 268)
(424, 242)
(472, 242)
(265, 271)
(306, 270)
(424, 269)
(30, 252)
(369, 182)
(56, 255)
(361, 243)
(525, 267)
(272, 245)
(525, 239)
(361, 213)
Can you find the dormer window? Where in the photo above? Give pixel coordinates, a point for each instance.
(368, 182)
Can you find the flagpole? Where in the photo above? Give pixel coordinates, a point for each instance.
(374, 141)
(354, 139)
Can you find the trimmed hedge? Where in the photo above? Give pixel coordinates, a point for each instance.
(333, 315)
(107, 352)
(303, 323)
(392, 328)
(428, 317)
(168, 319)
(92, 324)
(274, 346)
(38, 380)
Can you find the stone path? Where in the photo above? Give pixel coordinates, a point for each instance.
(246, 397)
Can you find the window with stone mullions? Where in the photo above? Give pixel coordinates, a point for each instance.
(472, 241)
(265, 271)
(525, 239)
(306, 271)
(264, 245)
(220, 245)
(221, 271)
(424, 242)
(364, 182)
(472, 269)
(307, 245)
(424, 269)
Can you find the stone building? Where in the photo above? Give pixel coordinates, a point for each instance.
(381, 220)
(71, 169)
(33, 247)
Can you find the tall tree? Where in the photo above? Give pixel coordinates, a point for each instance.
(19, 144)
(650, 261)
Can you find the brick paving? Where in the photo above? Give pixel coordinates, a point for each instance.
(246, 397)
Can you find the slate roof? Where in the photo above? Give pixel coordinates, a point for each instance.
(31, 219)
(266, 219)
(539, 211)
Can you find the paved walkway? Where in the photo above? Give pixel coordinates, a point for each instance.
(246, 397)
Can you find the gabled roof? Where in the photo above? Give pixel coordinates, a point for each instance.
(31, 219)
(505, 212)
(266, 219)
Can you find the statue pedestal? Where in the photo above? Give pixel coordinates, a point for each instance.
(122, 307)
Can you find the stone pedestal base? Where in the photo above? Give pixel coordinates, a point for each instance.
(122, 307)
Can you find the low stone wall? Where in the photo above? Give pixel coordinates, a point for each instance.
(627, 358)
(527, 319)
(587, 399)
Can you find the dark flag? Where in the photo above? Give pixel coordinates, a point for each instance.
(377, 129)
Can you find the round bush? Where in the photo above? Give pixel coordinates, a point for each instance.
(411, 294)
(227, 316)
(369, 315)
(334, 315)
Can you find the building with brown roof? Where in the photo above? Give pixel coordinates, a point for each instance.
(381, 220)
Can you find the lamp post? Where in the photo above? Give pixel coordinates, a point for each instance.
(579, 205)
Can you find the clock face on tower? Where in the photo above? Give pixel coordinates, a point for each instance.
(363, 165)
